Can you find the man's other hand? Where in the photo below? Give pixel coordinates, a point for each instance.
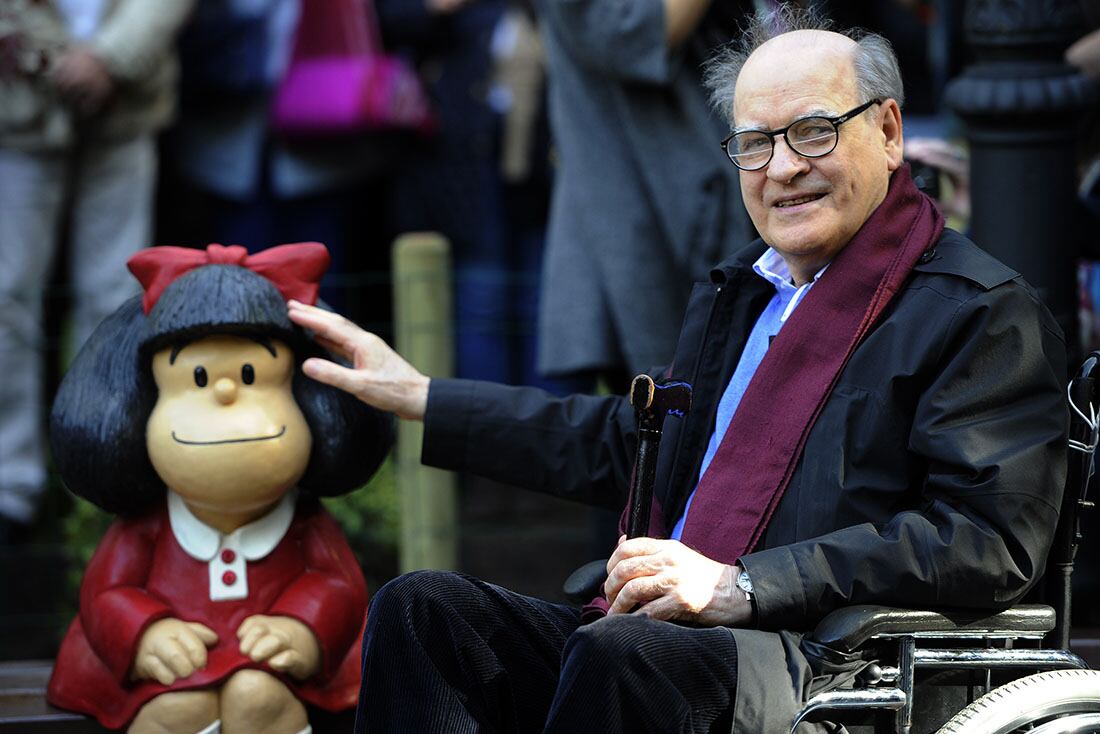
(665, 579)
(952, 161)
(83, 79)
(379, 376)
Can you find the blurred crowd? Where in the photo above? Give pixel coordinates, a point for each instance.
(566, 148)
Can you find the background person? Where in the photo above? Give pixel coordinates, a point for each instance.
(84, 87)
(643, 202)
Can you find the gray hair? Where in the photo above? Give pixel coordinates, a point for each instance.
(876, 66)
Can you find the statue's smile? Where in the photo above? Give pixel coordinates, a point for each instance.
(177, 439)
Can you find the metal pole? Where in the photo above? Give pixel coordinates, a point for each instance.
(1022, 105)
(424, 336)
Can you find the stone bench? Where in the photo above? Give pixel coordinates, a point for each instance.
(23, 707)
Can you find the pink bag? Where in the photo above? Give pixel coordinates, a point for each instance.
(340, 81)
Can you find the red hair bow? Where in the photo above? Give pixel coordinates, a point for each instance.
(295, 270)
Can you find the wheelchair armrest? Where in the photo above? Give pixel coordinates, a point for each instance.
(846, 629)
(585, 583)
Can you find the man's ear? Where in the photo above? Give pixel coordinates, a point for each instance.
(890, 125)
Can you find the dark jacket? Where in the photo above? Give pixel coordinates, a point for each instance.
(931, 478)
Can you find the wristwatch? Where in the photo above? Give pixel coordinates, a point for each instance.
(745, 584)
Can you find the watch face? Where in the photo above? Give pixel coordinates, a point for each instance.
(744, 581)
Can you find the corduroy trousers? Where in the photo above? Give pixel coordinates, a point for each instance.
(445, 652)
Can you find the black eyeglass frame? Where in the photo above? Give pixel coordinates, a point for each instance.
(836, 122)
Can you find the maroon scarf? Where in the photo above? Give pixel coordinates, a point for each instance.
(754, 463)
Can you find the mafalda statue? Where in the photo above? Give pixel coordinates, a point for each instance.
(224, 598)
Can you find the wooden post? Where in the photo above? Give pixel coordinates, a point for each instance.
(424, 336)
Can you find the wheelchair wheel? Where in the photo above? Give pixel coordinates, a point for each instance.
(1055, 702)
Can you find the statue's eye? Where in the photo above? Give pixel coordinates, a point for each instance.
(248, 374)
(200, 376)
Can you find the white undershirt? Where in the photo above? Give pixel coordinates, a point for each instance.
(81, 16)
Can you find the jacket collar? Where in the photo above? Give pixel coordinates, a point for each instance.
(255, 540)
(738, 264)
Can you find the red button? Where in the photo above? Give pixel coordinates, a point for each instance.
(229, 578)
(228, 556)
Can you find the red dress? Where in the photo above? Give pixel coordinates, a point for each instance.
(140, 574)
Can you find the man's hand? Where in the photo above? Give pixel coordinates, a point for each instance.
(171, 648)
(667, 580)
(1084, 53)
(953, 161)
(379, 376)
(284, 643)
(445, 7)
(682, 18)
(83, 79)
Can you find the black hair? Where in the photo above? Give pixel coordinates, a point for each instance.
(97, 424)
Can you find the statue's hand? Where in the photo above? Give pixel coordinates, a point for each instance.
(171, 648)
(284, 643)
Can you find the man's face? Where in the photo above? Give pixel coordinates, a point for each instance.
(809, 208)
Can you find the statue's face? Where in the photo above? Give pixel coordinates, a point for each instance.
(226, 433)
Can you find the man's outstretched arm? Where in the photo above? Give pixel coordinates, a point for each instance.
(579, 447)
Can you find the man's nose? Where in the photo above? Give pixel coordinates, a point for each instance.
(785, 163)
(225, 390)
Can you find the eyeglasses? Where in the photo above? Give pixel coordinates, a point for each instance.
(810, 137)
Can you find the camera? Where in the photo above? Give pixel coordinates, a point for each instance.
(927, 178)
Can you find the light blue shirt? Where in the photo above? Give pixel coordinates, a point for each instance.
(771, 267)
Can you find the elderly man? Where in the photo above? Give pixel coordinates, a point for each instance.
(878, 418)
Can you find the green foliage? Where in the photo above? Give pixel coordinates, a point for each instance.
(82, 528)
(370, 519)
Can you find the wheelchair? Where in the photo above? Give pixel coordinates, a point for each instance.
(972, 661)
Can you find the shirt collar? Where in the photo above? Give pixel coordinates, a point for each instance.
(255, 540)
(773, 268)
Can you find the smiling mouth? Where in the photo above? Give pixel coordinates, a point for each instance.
(177, 439)
(800, 200)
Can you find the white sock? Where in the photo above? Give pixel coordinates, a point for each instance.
(307, 730)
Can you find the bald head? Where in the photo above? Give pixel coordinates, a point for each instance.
(787, 47)
(780, 65)
(793, 30)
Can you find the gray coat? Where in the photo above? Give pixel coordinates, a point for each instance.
(644, 201)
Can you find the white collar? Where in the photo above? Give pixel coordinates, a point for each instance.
(773, 268)
(255, 540)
